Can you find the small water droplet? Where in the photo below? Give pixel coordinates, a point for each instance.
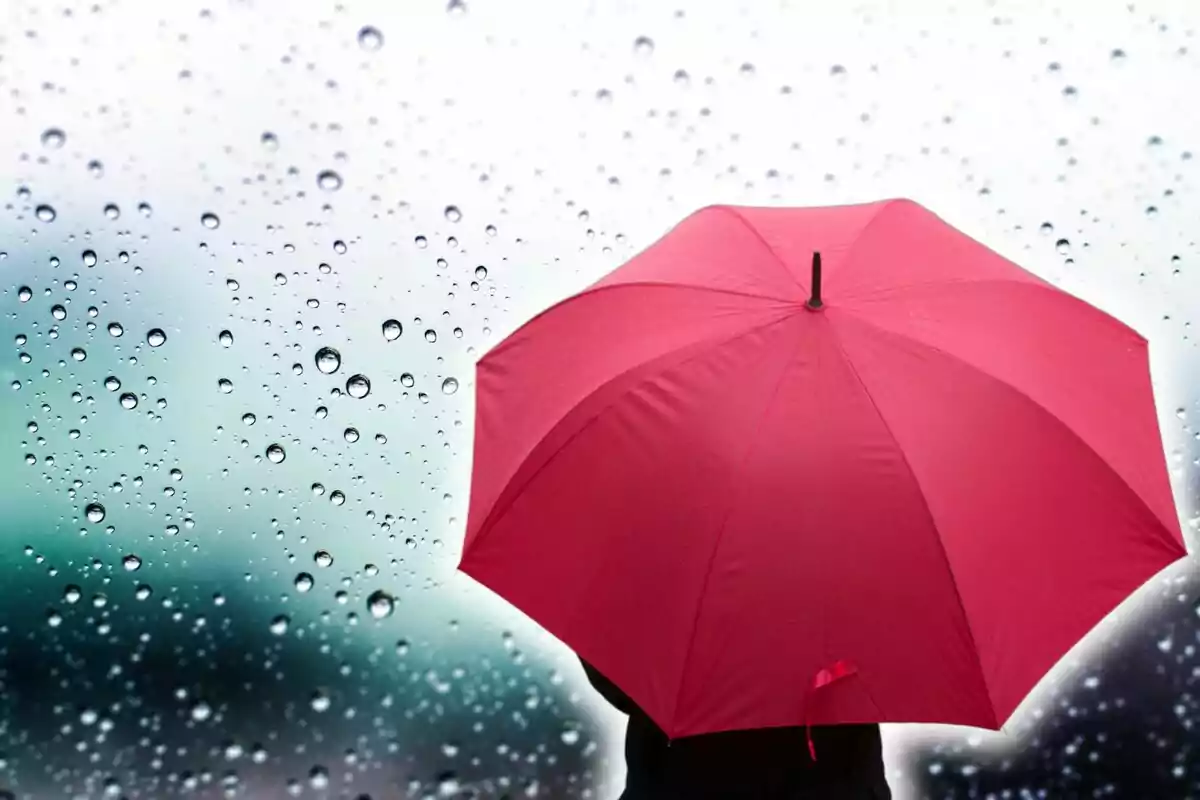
(351, 435)
(129, 401)
(224, 385)
(279, 624)
(59, 312)
(358, 387)
(407, 380)
(143, 592)
(89, 258)
(131, 563)
(322, 558)
(112, 211)
(381, 604)
(95, 513)
(337, 497)
(275, 454)
(53, 138)
(225, 338)
(449, 386)
(431, 335)
(79, 354)
(201, 711)
(339, 247)
(95, 169)
(53, 618)
(329, 181)
(453, 213)
(328, 360)
(1063, 246)
(210, 220)
(72, 593)
(370, 38)
(643, 46)
(320, 701)
(155, 337)
(46, 213)
(115, 330)
(269, 141)
(481, 273)
(24, 294)
(303, 582)
(248, 418)
(392, 330)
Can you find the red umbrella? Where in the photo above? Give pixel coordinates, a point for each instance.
(725, 485)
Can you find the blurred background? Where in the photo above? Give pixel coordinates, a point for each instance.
(251, 249)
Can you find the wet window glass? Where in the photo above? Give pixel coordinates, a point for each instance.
(250, 253)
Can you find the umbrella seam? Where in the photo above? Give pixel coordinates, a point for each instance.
(1046, 287)
(863, 231)
(702, 347)
(605, 288)
(737, 215)
(1163, 529)
(712, 559)
(937, 537)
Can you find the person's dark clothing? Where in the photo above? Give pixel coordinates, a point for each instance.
(765, 764)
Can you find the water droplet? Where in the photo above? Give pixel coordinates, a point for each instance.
(643, 46)
(131, 563)
(143, 592)
(1117, 55)
(275, 454)
(339, 247)
(224, 385)
(112, 211)
(115, 330)
(53, 138)
(320, 701)
(431, 335)
(145, 210)
(210, 220)
(381, 604)
(24, 294)
(225, 338)
(337, 497)
(351, 435)
(1063, 246)
(155, 337)
(329, 181)
(453, 213)
(72, 593)
(59, 312)
(370, 38)
(89, 258)
(407, 380)
(328, 360)
(201, 711)
(95, 169)
(79, 354)
(303, 582)
(322, 558)
(46, 213)
(129, 401)
(358, 387)
(95, 513)
(392, 330)
(248, 418)
(449, 386)
(269, 141)
(279, 625)
(53, 618)
(480, 273)
(421, 242)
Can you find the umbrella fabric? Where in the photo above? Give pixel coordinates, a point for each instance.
(905, 505)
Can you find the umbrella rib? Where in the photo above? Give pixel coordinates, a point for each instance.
(737, 215)
(1169, 539)
(751, 446)
(506, 499)
(929, 513)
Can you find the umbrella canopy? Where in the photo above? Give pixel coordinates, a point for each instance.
(916, 492)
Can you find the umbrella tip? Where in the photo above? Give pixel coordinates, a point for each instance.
(814, 301)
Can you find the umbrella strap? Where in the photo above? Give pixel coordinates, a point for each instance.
(834, 672)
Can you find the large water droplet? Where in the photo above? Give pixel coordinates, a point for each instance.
(24, 294)
(129, 401)
(59, 312)
(95, 513)
(275, 454)
(115, 330)
(322, 558)
(225, 338)
(1063, 246)
(407, 380)
(279, 625)
(53, 138)
(381, 604)
(201, 711)
(46, 213)
(320, 701)
(357, 386)
(89, 258)
(210, 220)
(643, 46)
(328, 360)
(392, 330)
(370, 38)
(351, 435)
(131, 563)
(303, 582)
(155, 337)
(329, 181)
(337, 497)
(453, 213)
(72, 593)
(449, 386)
